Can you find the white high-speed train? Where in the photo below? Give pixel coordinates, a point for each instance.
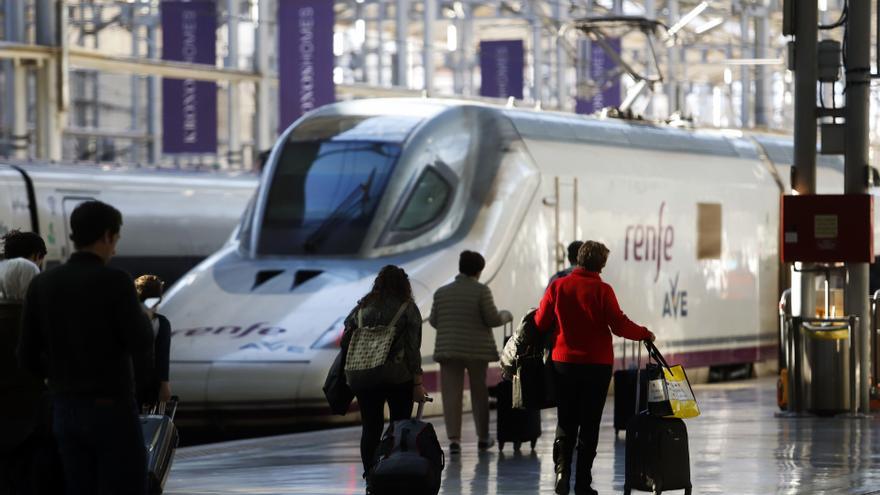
(691, 218)
(171, 220)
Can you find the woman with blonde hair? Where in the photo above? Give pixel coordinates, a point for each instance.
(149, 291)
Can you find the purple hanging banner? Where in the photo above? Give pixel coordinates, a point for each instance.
(305, 57)
(501, 68)
(601, 68)
(189, 107)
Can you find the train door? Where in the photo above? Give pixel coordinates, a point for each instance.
(565, 222)
(15, 211)
(68, 204)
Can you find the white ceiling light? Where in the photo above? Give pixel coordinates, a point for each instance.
(451, 38)
(338, 44)
(712, 24)
(690, 16)
(823, 5)
(360, 32)
(753, 61)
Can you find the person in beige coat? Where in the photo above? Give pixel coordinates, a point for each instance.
(464, 313)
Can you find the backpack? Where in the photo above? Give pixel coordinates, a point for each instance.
(409, 459)
(367, 362)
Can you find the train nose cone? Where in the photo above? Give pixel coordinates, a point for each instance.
(231, 343)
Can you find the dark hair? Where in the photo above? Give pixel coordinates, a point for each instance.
(471, 263)
(573, 249)
(592, 256)
(18, 244)
(148, 286)
(92, 220)
(392, 282)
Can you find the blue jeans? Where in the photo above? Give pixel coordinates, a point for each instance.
(101, 445)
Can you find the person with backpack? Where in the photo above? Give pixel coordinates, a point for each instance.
(383, 361)
(583, 311)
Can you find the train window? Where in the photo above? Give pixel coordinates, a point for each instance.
(708, 231)
(355, 128)
(323, 196)
(426, 203)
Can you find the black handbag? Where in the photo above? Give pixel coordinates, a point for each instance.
(339, 395)
(534, 385)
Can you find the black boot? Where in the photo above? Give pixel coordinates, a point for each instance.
(562, 453)
(584, 471)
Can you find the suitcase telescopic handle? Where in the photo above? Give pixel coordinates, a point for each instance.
(170, 407)
(638, 379)
(508, 330)
(421, 410)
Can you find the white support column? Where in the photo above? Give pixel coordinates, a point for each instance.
(135, 80)
(430, 12)
(467, 50)
(263, 44)
(672, 58)
(380, 42)
(537, 59)
(49, 114)
(15, 98)
(233, 149)
(562, 100)
(401, 28)
(457, 58)
(154, 123)
(745, 71)
(762, 81)
(650, 13)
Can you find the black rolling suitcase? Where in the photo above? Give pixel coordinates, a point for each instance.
(657, 455)
(625, 382)
(516, 426)
(161, 439)
(409, 459)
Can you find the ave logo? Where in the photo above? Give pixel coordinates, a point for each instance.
(675, 300)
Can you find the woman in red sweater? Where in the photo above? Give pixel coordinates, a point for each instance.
(584, 312)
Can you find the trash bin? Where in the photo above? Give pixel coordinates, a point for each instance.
(827, 369)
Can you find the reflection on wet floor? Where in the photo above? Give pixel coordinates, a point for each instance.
(737, 446)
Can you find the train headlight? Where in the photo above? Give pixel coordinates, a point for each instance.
(332, 337)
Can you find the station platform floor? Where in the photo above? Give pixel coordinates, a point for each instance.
(738, 446)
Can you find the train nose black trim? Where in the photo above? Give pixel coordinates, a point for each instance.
(303, 276)
(264, 276)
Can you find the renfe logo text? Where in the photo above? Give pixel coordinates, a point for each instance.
(651, 243)
(232, 331)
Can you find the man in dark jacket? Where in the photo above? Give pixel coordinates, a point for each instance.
(84, 329)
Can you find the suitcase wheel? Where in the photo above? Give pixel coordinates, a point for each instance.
(500, 446)
(516, 446)
(534, 442)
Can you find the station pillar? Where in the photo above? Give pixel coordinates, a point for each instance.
(50, 115)
(858, 79)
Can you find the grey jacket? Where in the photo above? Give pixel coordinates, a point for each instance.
(409, 332)
(464, 313)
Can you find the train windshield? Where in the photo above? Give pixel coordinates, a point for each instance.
(327, 184)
